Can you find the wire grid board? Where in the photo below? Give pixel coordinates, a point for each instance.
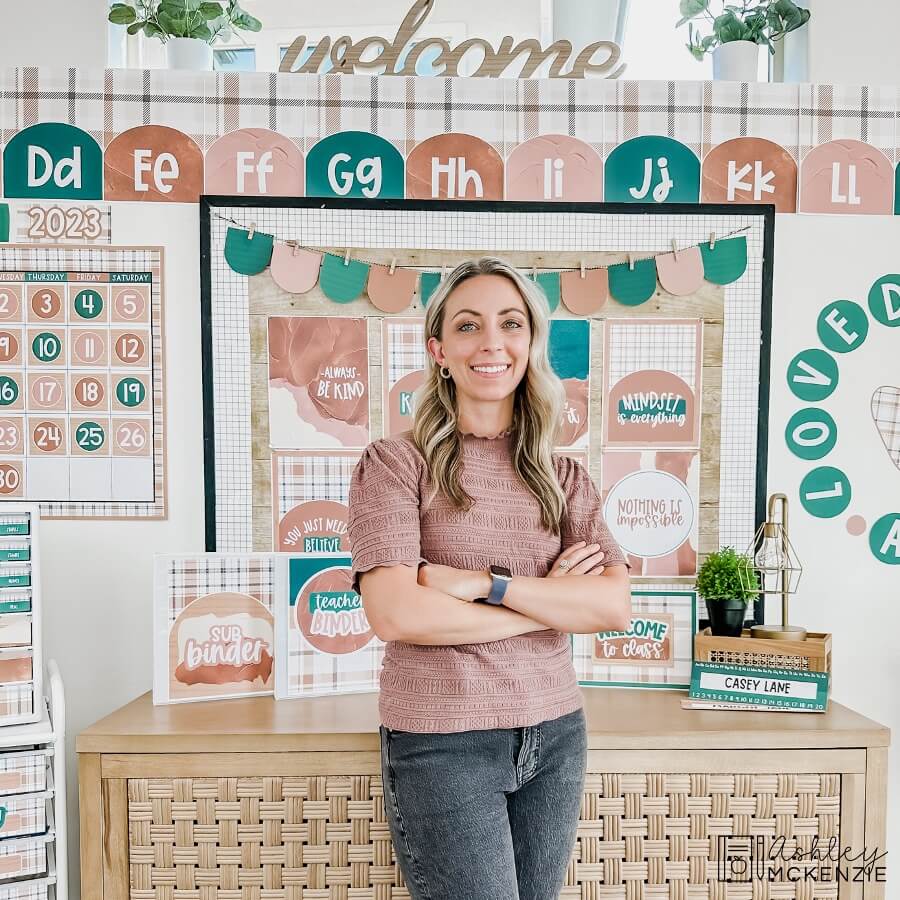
(599, 343)
(441, 228)
(90, 410)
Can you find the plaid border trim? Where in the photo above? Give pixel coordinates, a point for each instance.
(407, 111)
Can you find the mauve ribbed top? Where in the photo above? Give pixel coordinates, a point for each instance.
(509, 683)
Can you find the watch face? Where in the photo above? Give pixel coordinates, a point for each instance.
(502, 571)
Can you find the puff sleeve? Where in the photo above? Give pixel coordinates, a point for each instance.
(383, 522)
(583, 519)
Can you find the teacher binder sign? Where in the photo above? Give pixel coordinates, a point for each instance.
(324, 642)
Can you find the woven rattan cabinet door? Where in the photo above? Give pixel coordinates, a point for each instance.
(311, 826)
(225, 826)
(275, 837)
(706, 823)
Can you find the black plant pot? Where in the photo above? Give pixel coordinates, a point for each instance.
(726, 617)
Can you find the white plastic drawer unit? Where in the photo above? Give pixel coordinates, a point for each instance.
(32, 889)
(15, 600)
(15, 575)
(14, 550)
(24, 771)
(15, 525)
(23, 814)
(16, 665)
(24, 856)
(16, 701)
(15, 630)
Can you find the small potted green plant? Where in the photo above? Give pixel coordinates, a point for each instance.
(738, 31)
(727, 581)
(188, 28)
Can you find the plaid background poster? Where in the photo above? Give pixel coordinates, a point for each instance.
(325, 643)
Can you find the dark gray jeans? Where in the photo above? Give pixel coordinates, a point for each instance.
(485, 815)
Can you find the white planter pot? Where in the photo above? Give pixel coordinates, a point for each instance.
(189, 53)
(736, 61)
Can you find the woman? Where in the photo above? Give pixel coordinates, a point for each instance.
(458, 531)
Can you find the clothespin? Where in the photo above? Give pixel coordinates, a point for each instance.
(296, 249)
(675, 249)
(582, 268)
(631, 262)
(443, 271)
(534, 272)
(347, 257)
(251, 230)
(393, 266)
(712, 240)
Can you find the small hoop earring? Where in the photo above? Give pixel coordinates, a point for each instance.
(443, 370)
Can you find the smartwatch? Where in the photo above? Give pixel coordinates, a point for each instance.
(500, 578)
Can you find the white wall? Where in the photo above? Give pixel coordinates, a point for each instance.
(843, 589)
(853, 43)
(284, 20)
(97, 576)
(54, 32)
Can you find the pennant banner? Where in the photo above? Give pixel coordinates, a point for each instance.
(295, 270)
(246, 253)
(343, 279)
(633, 283)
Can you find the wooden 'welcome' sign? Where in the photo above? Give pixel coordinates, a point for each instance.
(346, 54)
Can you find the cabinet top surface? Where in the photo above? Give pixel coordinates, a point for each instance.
(616, 719)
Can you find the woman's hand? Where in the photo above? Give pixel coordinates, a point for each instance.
(581, 558)
(460, 583)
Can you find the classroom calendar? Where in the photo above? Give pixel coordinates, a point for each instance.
(81, 415)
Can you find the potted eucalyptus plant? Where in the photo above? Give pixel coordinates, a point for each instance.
(738, 31)
(188, 28)
(727, 581)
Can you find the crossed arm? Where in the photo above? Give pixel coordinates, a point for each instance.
(434, 604)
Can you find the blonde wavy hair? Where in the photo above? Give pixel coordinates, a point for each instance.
(537, 408)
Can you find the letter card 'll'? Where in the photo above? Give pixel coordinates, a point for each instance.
(213, 629)
(324, 640)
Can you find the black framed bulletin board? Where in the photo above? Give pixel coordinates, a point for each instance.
(648, 301)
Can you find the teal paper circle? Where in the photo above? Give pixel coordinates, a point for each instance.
(884, 539)
(817, 365)
(811, 417)
(833, 489)
(847, 316)
(879, 301)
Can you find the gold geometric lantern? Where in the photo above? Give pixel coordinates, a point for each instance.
(777, 570)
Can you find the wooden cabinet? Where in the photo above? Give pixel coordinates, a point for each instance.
(258, 799)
